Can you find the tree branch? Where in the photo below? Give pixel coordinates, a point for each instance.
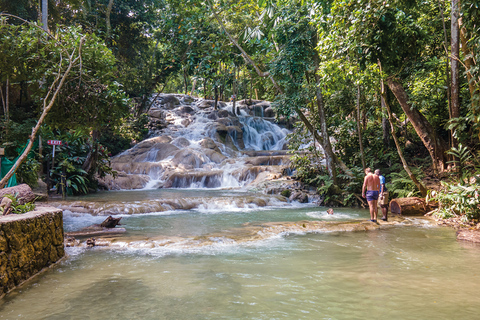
(46, 109)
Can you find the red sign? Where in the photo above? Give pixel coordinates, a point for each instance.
(54, 142)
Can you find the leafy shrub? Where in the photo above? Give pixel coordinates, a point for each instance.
(18, 208)
(27, 172)
(456, 199)
(462, 161)
(402, 186)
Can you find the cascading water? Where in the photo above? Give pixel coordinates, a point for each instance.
(205, 148)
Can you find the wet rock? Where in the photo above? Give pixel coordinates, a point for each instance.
(223, 114)
(471, 235)
(184, 110)
(299, 196)
(124, 181)
(186, 99)
(181, 142)
(213, 116)
(189, 159)
(209, 179)
(206, 104)
(215, 156)
(169, 101)
(208, 143)
(269, 112)
(156, 113)
(186, 122)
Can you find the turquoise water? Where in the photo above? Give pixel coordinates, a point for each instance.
(406, 272)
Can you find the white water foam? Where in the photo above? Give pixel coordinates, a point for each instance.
(323, 215)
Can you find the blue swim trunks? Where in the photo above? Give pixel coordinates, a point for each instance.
(372, 195)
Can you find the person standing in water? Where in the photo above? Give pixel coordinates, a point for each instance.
(383, 198)
(370, 191)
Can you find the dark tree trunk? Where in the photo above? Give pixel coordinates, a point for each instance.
(455, 47)
(92, 155)
(417, 183)
(435, 145)
(386, 136)
(359, 129)
(185, 81)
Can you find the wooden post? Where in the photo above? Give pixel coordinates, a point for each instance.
(2, 153)
(63, 182)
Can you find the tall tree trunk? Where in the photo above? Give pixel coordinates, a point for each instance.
(419, 185)
(205, 88)
(455, 47)
(473, 84)
(92, 156)
(326, 145)
(107, 18)
(185, 80)
(194, 83)
(45, 15)
(359, 129)
(435, 145)
(319, 138)
(234, 91)
(447, 69)
(7, 100)
(469, 62)
(386, 136)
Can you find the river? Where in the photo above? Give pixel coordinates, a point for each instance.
(417, 271)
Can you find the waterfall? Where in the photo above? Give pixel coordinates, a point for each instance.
(259, 134)
(203, 148)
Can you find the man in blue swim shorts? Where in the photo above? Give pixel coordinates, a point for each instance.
(370, 191)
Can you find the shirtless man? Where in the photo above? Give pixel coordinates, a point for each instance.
(371, 184)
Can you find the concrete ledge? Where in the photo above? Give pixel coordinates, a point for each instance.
(29, 243)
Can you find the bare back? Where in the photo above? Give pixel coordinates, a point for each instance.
(372, 182)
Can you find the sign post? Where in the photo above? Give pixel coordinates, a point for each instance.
(53, 143)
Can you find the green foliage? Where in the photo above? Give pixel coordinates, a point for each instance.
(462, 161)
(458, 200)
(28, 172)
(71, 156)
(402, 186)
(286, 193)
(18, 208)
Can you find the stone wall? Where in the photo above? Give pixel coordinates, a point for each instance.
(28, 243)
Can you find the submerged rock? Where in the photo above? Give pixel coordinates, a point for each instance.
(249, 232)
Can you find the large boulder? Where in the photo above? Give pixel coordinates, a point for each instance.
(169, 101)
(155, 113)
(189, 159)
(187, 99)
(269, 112)
(205, 104)
(184, 110)
(214, 156)
(181, 142)
(124, 181)
(208, 143)
(23, 191)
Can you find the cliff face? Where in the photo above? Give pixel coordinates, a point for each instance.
(29, 243)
